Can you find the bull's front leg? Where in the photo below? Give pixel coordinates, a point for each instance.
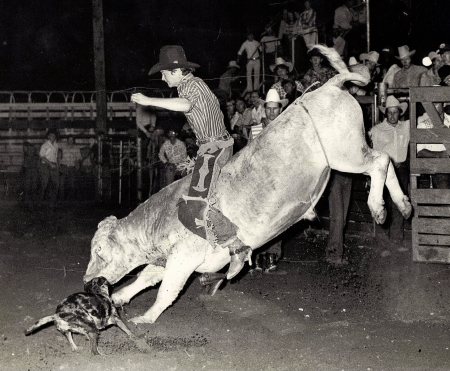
(181, 263)
(149, 276)
(397, 195)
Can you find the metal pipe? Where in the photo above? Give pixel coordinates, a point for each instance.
(139, 168)
(99, 167)
(120, 172)
(129, 170)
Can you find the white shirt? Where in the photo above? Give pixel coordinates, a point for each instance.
(393, 140)
(251, 48)
(49, 151)
(70, 154)
(258, 113)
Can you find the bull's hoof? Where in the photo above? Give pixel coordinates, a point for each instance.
(380, 217)
(142, 319)
(119, 300)
(406, 210)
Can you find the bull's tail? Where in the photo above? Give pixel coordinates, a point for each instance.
(40, 323)
(338, 64)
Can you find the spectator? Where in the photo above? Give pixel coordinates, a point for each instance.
(282, 69)
(389, 66)
(392, 137)
(270, 44)
(258, 113)
(283, 24)
(431, 77)
(252, 50)
(267, 260)
(434, 150)
(444, 75)
(308, 22)
(243, 119)
(290, 87)
(30, 173)
(49, 168)
(317, 73)
(370, 60)
(343, 19)
(354, 66)
(409, 74)
(69, 168)
(172, 153)
(444, 51)
(290, 30)
(227, 78)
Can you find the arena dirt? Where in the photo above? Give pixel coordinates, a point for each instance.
(378, 313)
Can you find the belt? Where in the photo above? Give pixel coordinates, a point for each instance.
(214, 139)
(253, 59)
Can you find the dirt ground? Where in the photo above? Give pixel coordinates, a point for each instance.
(382, 312)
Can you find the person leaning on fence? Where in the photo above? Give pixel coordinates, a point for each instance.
(172, 153)
(392, 137)
(435, 150)
(431, 77)
(49, 168)
(196, 210)
(409, 74)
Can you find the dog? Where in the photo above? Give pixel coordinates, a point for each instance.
(85, 313)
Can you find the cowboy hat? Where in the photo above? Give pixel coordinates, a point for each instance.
(273, 97)
(352, 61)
(281, 62)
(391, 101)
(371, 56)
(172, 57)
(404, 52)
(233, 64)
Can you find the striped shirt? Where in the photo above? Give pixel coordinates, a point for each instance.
(205, 116)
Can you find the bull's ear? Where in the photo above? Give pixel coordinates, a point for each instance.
(108, 222)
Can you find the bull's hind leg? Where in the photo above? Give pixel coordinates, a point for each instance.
(377, 165)
(397, 195)
(149, 276)
(181, 263)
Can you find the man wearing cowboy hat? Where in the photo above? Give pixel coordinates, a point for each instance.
(229, 76)
(172, 152)
(392, 137)
(431, 77)
(409, 74)
(203, 114)
(282, 68)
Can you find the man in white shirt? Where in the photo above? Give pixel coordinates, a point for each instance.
(252, 49)
(392, 137)
(48, 168)
(172, 152)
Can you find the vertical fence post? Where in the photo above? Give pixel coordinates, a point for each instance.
(100, 167)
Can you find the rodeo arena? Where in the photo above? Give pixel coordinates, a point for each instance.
(225, 185)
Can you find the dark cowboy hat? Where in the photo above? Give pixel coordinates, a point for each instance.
(314, 52)
(171, 57)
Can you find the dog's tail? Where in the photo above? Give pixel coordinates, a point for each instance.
(40, 323)
(338, 64)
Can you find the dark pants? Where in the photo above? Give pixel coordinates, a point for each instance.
(49, 181)
(30, 184)
(338, 201)
(68, 178)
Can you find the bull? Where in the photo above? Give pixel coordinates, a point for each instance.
(264, 189)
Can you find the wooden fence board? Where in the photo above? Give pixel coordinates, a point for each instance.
(431, 254)
(430, 196)
(432, 225)
(439, 210)
(434, 239)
